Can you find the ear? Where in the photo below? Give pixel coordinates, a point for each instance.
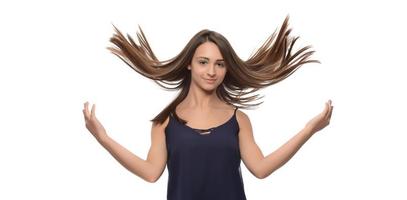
(189, 67)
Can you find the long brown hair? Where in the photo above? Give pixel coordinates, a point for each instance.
(270, 64)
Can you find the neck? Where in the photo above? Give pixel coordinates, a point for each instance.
(198, 98)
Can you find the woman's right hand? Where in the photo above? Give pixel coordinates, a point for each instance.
(92, 123)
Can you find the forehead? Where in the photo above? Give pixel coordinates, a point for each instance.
(208, 50)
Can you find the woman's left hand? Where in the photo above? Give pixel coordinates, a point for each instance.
(321, 120)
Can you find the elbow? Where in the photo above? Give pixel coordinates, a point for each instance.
(258, 173)
(262, 175)
(146, 177)
(153, 176)
(151, 179)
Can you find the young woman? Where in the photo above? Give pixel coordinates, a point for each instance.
(201, 136)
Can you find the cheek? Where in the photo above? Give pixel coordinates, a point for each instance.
(197, 74)
(223, 72)
(199, 71)
(222, 75)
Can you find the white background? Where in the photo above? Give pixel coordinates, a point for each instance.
(54, 58)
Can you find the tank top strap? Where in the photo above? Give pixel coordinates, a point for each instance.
(171, 115)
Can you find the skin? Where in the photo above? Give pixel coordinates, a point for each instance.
(202, 109)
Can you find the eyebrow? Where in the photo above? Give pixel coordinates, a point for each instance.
(206, 58)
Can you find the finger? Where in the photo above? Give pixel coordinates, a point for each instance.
(93, 110)
(329, 108)
(326, 110)
(86, 112)
(330, 113)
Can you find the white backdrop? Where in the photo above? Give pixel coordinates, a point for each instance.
(54, 58)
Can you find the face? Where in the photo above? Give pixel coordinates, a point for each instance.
(207, 66)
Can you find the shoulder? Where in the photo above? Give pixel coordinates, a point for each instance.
(243, 119)
(156, 126)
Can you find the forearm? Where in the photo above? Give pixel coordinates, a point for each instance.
(279, 157)
(130, 161)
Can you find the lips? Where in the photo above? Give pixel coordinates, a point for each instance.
(210, 80)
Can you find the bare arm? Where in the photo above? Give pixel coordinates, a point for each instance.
(261, 166)
(149, 170)
(283, 154)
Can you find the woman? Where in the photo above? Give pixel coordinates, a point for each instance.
(202, 136)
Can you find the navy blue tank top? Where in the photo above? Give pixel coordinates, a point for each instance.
(204, 164)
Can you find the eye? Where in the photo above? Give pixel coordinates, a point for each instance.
(202, 62)
(221, 64)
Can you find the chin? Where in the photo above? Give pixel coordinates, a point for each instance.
(210, 88)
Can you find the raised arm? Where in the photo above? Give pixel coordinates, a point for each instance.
(261, 166)
(151, 168)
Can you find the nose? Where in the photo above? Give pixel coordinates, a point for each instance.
(211, 70)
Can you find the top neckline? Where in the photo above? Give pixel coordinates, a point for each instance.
(209, 129)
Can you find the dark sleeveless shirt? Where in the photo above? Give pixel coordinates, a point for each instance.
(204, 164)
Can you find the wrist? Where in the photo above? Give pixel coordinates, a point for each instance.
(308, 130)
(102, 138)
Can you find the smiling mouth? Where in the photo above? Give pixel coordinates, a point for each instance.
(210, 80)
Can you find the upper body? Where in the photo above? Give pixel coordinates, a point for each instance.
(250, 153)
(203, 109)
(204, 163)
(199, 156)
